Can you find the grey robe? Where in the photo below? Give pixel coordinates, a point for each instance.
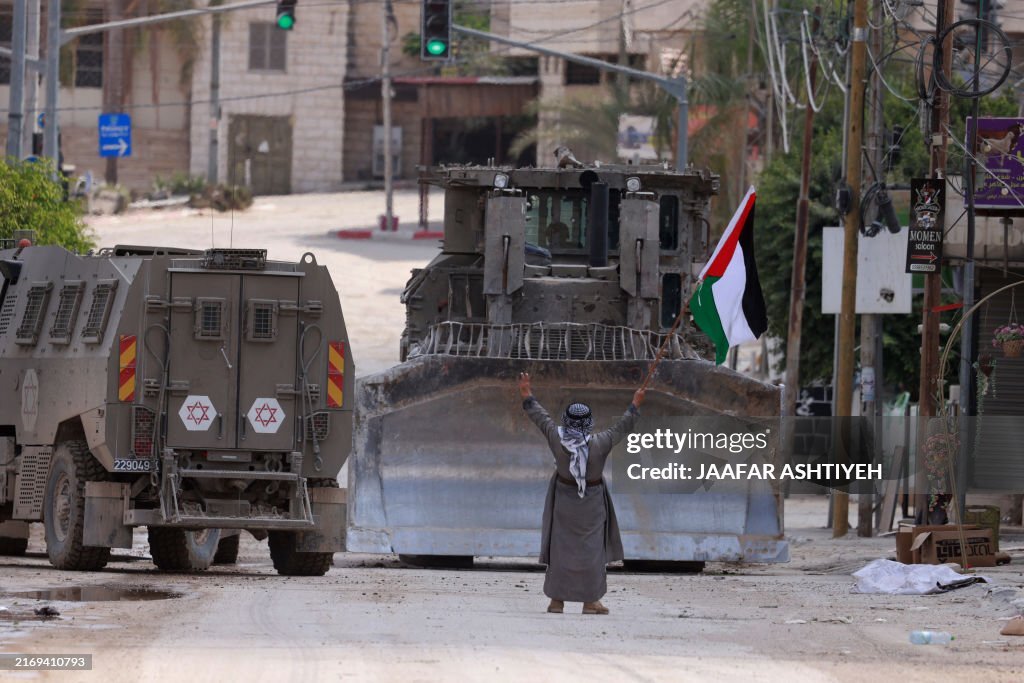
(580, 535)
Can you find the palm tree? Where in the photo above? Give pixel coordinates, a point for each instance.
(721, 69)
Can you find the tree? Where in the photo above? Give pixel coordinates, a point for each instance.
(778, 188)
(33, 201)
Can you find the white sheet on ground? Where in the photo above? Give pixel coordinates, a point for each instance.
(896, 578)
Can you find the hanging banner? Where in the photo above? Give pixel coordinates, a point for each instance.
(927, 206)
(999, 175)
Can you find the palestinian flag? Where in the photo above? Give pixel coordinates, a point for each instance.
(728, 304)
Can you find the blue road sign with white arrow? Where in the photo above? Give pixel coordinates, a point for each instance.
(115, 132)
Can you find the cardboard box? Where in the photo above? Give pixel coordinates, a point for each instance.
(923, 544)
(905, 534)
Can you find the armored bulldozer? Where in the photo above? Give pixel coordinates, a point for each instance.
(195, 393)
(574, 274)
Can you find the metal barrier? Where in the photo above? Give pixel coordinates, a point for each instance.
(539, 341)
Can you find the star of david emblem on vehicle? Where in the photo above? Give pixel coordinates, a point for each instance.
(197, 413)
(266, 416)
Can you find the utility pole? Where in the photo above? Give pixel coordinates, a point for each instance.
(385, 94)
(871, 323)
(847, 316)
(31, 79)
(797, 284)
(213, 152)
(51, 131)
(16, 108)
(967, 348)
(113, 82)
(933, 281)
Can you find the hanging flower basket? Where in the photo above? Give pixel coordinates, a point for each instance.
(1011, 338)
(1014, 348)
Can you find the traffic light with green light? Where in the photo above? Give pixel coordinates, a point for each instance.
(286, 14)
(436, 34)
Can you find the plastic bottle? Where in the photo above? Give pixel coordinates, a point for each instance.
(930, 637)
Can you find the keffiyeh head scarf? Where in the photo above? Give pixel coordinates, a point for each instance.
(575, 433)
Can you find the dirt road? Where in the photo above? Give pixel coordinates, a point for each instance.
(370, 619)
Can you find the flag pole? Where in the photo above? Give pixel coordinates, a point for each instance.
(661, 349)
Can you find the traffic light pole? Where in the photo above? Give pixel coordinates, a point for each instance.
(213, 152)
(385, 93)
(676, 87)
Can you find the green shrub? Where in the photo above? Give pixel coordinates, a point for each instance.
(31, 200)
(222, 198)
(180, 183)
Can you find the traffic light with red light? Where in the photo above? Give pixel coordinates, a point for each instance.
(436, 36)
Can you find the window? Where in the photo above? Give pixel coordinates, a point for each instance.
(267, 47)
(668, 222)
(557, 220)
(209, 322)
(67, 308)
(89, 56)
(262, 320)
(634, 61)
(6, 31)
(581, 74)
(32, 318)
(522, 66)
(99, 311)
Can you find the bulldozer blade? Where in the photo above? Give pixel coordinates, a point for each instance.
(446, 462)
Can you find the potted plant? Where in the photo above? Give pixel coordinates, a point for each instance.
(1011, 338)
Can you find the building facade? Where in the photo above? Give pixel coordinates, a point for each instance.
(281, 118)
(156, 95)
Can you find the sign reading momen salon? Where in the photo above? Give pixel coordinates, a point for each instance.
(924, 244)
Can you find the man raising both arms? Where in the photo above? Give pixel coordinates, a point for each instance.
(580, 534)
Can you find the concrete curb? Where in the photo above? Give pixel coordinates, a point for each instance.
(397, 236)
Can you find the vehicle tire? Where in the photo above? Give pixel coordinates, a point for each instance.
(227, 550)
(183, 550)
(287, 560)
(64, 508)
(13, 546)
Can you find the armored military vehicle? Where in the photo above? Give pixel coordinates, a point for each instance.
(574, 274)
(198, 394)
